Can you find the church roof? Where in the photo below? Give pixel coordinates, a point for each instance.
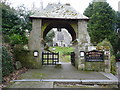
(58, 11)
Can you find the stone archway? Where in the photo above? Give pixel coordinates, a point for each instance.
(59, 24)
(75, 23)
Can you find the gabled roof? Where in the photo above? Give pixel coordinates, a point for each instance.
(58, 11)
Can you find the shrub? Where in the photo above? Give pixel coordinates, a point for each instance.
(7, 64)
(113, 65)
(106, 45)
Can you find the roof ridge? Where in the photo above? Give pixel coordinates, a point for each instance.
(59, 11)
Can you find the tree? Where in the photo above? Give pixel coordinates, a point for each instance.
(23, 13)
(117, 44)
(14, 24)
(118, 20)
(49, 37)
(102, 21)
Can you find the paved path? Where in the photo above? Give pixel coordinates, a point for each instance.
(32, 85)
(67, 71)
(48, 75)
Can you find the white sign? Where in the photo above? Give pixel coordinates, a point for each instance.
(82, 54)
(35, 54)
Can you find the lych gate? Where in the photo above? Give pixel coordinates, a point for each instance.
(59, 16)
(63, 16)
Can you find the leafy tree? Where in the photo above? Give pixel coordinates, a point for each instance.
(118, 20)
(23, 13)
(49, 37)
(102, 21)
(14, 23)
(117, 44)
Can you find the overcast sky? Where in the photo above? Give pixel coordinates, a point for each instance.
(79, 5)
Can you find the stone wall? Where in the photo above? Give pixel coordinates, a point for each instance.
(25, 57)
(83, 45)
(104, 66)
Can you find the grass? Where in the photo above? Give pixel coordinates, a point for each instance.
(64, 53)
(62, 50)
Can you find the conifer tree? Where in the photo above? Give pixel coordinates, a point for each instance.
(102, 21)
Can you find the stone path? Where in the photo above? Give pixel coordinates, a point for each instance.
(32, 85)
(48, 75)
(67, 71)
(53, 84)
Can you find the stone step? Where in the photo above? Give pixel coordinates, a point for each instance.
(99, 82)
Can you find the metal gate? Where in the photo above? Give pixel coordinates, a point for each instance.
(50, 58)
(73, 58)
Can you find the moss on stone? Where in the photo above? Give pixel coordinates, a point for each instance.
(94, 66)
(26, 58)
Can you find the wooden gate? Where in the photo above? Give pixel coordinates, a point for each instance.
(73, 58)
(49, 58)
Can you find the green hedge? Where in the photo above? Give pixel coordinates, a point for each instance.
(7, 64)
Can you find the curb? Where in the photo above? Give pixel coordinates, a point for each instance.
(100, 82)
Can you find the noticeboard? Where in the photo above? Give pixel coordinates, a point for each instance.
(94, 56)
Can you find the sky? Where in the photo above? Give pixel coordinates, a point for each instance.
(79, 5)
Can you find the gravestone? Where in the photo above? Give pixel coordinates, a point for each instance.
(18, 65)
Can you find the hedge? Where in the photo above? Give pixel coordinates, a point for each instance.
(7, 64)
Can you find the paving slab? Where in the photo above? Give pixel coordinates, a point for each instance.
(67, 71)
(109, 75)
(32, 85)
(100, 82)
(47, 80)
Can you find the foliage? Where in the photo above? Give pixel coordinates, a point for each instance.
(24, 14)
(7, 64)
(117, 43)
(113, 65)
(49, 37)
(102, 21)
(118, 56)
(106, 44)
(14, 23)
(18, 39)
(118, 20)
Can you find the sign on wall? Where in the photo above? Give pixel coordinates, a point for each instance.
(94, 56)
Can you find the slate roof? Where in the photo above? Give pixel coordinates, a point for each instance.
(60, 11)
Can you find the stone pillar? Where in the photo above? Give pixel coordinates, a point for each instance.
(83, 42)
(35, 42)
(76, 55)
(107, 61)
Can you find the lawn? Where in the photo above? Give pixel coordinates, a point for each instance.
(64, 53)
